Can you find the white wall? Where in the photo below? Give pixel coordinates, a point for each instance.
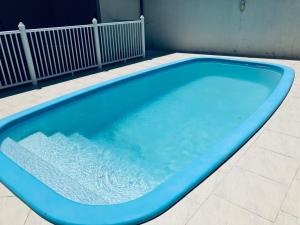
(118, 10)
(265, 28)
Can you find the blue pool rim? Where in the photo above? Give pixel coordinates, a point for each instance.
(60, 210)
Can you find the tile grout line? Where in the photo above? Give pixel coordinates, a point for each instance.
(10, 196)
(280, 132)
(27, 217)
(296, 217)
(279, 153)
(194, 213)
(298, 171)
(262, 176)
(207, 197)
(285, 196)
(239, 206)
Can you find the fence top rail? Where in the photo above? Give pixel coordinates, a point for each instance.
(9, 32)
(119, 23)
(69, 27)
(58, 28)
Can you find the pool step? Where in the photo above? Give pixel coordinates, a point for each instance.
(104, 173)
(97, 166)
(119, 174)
(64, 155)
(86, 158)
(68, 156)
(44, 171)
(82, 141)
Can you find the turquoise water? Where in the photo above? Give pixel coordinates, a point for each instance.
(121, 142)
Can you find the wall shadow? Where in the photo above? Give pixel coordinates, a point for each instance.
(55, 80)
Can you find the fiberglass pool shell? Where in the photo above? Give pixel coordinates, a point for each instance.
(60, 210)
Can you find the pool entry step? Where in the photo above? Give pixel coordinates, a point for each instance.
(56, 160)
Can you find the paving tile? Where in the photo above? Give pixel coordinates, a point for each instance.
(253, 192)
(285, 125)
(291, 204)
(3, 114)
(217, 211)
(280, 143)
(16, 100)
(269, 164)
(295, 91)
(288, 113)
(293, 103)
(138, 67)
(12, 211)
(202, 191)
(298, 174)
(286, 219)
(297, 78)
(34, 219)
(178, 214)
(14, 109)
(4, 192)
(290, 108)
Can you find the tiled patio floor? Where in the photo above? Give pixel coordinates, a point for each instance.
(259, 185)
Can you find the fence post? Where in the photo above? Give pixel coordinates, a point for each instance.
(27, 52)
(143, 36)
(97, 43)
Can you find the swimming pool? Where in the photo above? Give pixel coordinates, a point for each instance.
(124, 151)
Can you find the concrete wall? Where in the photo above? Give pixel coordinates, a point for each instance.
(118, 10)
(45, 13)
(264, 28)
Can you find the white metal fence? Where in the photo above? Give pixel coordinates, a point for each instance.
(36, 54)
(13, 68)
(119, 41)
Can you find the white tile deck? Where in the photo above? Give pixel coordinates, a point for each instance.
(253, 192)
(259, 185)
(34, 219)
(219, 211)
(178, 214)
(291, 203)
(269, 164)
(4, 192)
(12, 211)
(286, 219)
(280, 143)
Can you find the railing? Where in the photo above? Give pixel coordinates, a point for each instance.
(57, 51)
(119, 41)
(36, 54)
(13, 68)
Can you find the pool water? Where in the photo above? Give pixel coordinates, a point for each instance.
(122, 141)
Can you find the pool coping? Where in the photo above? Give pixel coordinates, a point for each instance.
(60, 210)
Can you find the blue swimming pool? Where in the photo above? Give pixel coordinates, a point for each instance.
(124, 151)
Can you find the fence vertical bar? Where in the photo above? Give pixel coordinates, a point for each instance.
(97, 43)
(27, 52)
(143, 35)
